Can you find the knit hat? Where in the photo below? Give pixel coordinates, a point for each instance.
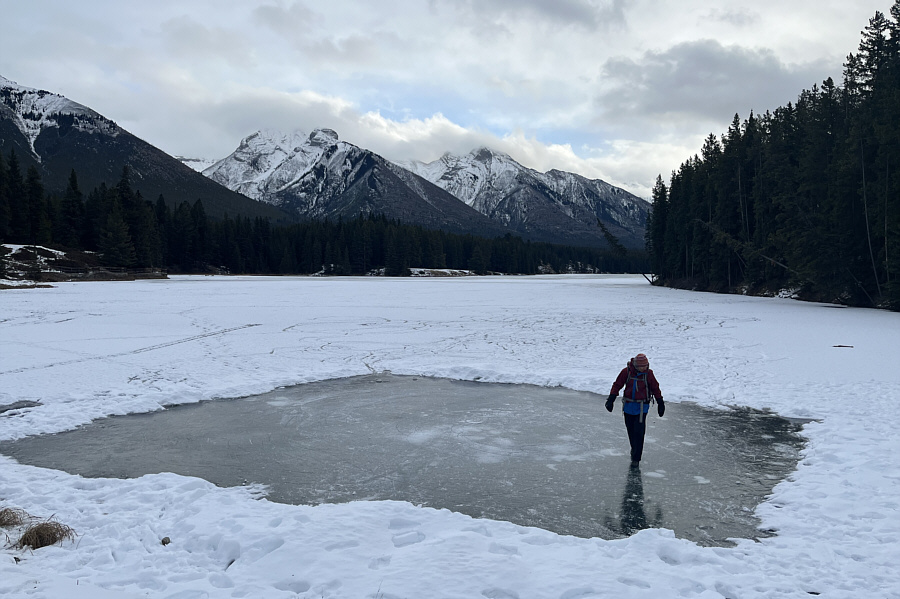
(640, 360)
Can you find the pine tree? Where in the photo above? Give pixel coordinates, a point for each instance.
(96, 207)
(656, 227)
(288, 264)
(115, 242)
(182, 238)
(361, 245)
(345, 267)
(203, 243)
(71, 228)
(436, 256)
(38, 225)
(874, 51)
(4, 201)
(162, 217)
(480, 260)
(396, 256)
(19, 227)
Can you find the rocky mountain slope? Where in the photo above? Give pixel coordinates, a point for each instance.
(319, 176)
(554, 205)
(56, 135)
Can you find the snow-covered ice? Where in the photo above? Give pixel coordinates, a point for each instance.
(85, 350)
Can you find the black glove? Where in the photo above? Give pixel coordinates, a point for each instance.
(660, 407)
(609, 403)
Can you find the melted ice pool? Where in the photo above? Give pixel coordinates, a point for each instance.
(546, 457)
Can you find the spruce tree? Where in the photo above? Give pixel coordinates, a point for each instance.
(72, 218)
(162, 217)
(396, 254)
(19, 227)
(38, 224)
(479, 261)
(203, 243)
(4, 201)
(656, 227)
(96, 207)
(182, 239)
(116, 247)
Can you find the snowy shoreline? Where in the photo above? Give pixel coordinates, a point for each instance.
(86, 351)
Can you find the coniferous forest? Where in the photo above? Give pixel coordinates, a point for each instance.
(124, 229)
(806, 197)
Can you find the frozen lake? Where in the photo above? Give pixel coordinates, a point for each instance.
(537, 456)
(79, 353)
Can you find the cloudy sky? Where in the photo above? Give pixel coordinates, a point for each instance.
(621, 90)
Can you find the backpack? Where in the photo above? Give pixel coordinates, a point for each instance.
(640, 376)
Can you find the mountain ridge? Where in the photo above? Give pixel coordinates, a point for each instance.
(289, 176)
(308, 174)
(317, 175)
(566, 204)
(56, 135)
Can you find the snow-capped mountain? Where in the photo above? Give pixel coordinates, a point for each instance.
(268, 162)
(559, 205)
(319, 176)
(56, 135)
(33, 111)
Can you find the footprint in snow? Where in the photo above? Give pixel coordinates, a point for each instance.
(341, 545)
(261, 549)
(379, 562)
(292, 586)
(408, 538)
(481, 529)
(634, 582)
(401, 523)
(503, 549)
(220, 580)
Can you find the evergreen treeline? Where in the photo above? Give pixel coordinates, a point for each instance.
(127, 230)
(806, 196)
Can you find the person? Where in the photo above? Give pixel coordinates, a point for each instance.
(640, 387)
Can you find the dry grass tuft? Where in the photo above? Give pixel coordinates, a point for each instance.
(44, 534)
(13, 516)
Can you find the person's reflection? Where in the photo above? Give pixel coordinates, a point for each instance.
(633, 516)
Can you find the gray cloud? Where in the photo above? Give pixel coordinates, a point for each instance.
(739, 17)
(223, 123)
(701, 79)
(290, 21)
(581, 13)
(307, 32)
(188, 39)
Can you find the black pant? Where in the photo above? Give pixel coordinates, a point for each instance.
(636, 425)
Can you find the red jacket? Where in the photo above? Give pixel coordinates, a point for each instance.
(635, 384)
